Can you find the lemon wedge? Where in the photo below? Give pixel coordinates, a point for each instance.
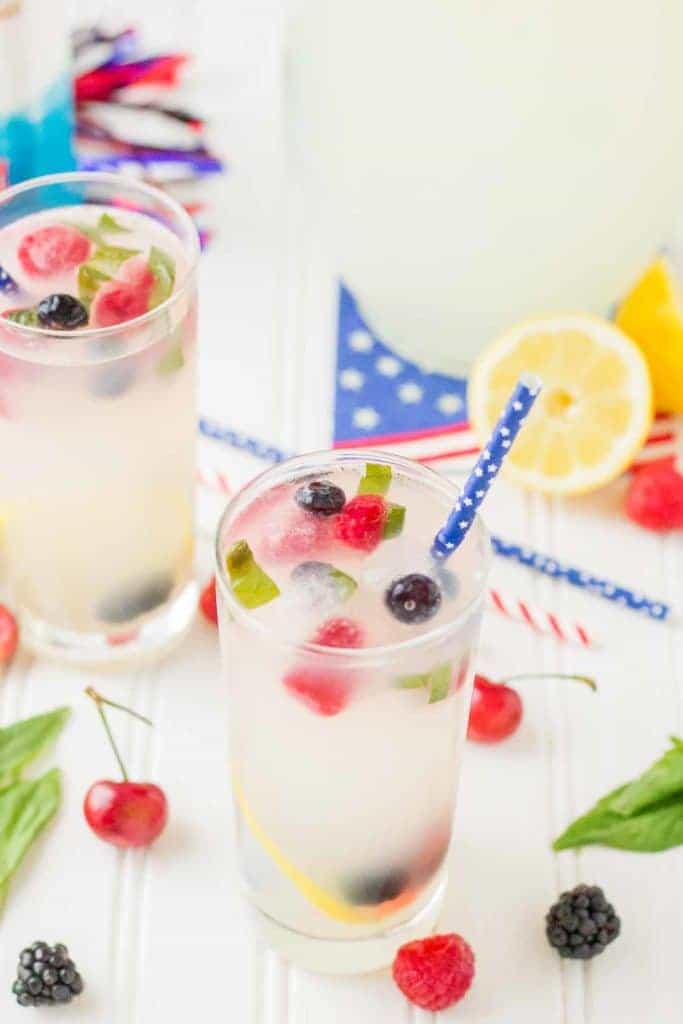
(593, 414)
(652, 314)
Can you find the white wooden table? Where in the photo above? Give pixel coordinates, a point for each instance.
(163, 936)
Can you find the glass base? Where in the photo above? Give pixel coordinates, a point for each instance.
(156, 634)
(349, 956)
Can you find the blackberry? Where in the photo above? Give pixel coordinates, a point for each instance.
(62, 312)
(582, 923)
(413, 598)
(46, 976)
(321, 498)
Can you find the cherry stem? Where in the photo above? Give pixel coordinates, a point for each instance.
(586, 680)
(100, 701)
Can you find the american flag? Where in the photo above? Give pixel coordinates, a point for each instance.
(386, 401)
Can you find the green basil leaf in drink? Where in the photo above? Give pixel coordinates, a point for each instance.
(395, 520)
(661, 780)
(89, 280)
(107, 259)
(251, 586)
(437, 681)
(23, 317)
(25, 809)
(172, 360)
(376, 480)
(656, 827)
(108, 224)
(86, 229)
(163, 269)
(23, 741)
(345, 585)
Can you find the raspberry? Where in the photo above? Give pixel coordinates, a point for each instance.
(495, 711)
(436, 972)
(207, 601)
(116, 302)
(9, 635)
(655, 497)
(339, 633)
(301, 536)
(135, 271)
(361, 523)
(324, 691)
(52, 250)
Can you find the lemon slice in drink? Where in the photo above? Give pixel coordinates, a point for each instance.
(323, 900)
(593, 414)
(652, 314)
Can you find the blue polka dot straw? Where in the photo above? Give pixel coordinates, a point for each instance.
(477, 485)
(8, 286)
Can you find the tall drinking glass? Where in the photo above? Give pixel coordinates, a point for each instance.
(348, 708)
(98, 315)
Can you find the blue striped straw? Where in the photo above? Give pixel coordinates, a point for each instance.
(242, 442)
(477, 485)
(549, 566)
(8, 286)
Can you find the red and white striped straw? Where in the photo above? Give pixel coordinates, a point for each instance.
(538, 619)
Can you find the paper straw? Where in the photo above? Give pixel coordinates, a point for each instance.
(242, 442)
(8, 286)
(549, 566)
(487, 467)
(539, 619)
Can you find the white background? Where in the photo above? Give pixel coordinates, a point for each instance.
(162, 936)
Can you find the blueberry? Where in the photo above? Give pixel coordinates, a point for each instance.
(18, 987)
(63, 312)
(139, 597)
(76, 985)
(413, 598)
(67, 975)
(373, 889)
(50, 976)
(320, 497)
(25, 999)
(34, 985)
(24, 973)
(40, 950)
(26, 958)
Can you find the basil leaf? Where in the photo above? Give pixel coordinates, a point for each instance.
(661, 780)
(250, 584)
(437, 681)
(25, 810)
(396, 518)
(85, 229)
(24, 317)
(172, 360)
(108, 223)
(22, 742)
(89, 280)
(107, 259)
(163, 269)
(657, 827)
(377, 479)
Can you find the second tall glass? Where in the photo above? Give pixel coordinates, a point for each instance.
(98, 425)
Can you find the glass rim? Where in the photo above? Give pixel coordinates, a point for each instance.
(382, 652)
(107, 178)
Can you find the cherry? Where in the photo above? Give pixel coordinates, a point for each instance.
(495, 712)
(207, 601)
(9, 635)
(496, 709)
(124, 813)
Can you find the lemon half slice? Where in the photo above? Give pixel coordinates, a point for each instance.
(593, 414)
